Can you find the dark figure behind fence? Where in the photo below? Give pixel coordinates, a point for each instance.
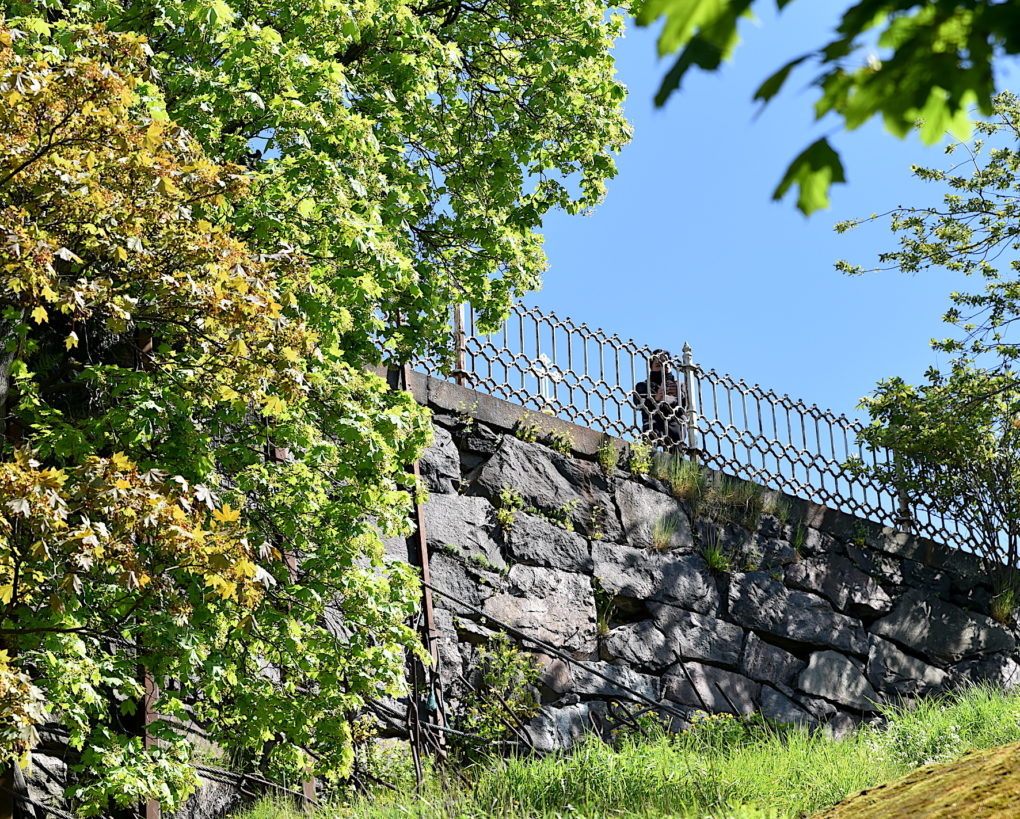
(662, 401)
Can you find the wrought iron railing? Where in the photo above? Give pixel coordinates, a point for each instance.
(601, 381)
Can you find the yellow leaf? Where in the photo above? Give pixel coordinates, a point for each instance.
(122, 254)
(71, 340)
(237, 347)
(226, 514)
(274, 405)
(40, 315)
(120, 462)
(6, 593)
(121, 483)
(49, 294)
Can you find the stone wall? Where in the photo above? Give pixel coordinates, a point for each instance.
(818, 617)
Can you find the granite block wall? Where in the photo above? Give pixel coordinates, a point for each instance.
(807, 615)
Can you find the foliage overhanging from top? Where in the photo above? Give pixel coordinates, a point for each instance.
(212, 216)
(902, 60)
(957, 436)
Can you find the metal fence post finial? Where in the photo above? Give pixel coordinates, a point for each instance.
(691, 390)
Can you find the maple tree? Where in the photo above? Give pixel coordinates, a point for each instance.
(214, 220)
(150, 354)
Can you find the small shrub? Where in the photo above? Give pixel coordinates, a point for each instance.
(509, 673)
(563, 516)
(597, 523)
(561, 441)
(466, 416)
(482, 562)
(663, 531)
(639, 459)
(607, 455)
(716, 557)
(605, 607)
(527, 429)
(510, 503)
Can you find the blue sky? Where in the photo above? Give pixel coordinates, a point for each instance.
(689, 246)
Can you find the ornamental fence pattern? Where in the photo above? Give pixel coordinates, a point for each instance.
(598, 380)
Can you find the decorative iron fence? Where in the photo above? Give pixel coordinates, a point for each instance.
(601, 381)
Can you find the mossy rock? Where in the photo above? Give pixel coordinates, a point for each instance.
(981, 783)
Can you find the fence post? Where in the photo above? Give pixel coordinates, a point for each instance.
(691, 390)
(460, 374)
(904, 519)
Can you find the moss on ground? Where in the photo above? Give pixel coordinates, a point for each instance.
(979, 784)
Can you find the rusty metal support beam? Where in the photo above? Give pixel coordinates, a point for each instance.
(430, 635)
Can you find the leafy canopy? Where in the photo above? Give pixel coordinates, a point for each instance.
(933, 65)
(957, 436)
(215, 218)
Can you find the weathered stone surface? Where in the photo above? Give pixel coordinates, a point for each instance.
(538, 542)
(874, 563)
(926, 577)
(768, 663)
(903, 545)
(641, 508)
(932, 627)
(846, 586)
(759, 602)
(820, 709)
(776, 705)
(681, 580)
(467, 525)
(838, 679)
(551, 482)
(892, 671)
(210, 801)
(562, 728)
(774, 552)
(642, 645)
(583, 680)
(547, 604)
(997, 669)
(47, 777)
(698, 636)
(466, 583)
(714, 688)
(816, 542)
(440, 463)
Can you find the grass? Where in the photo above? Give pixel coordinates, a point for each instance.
(663, 530)
(716, 557)
(686, 479)
(724, 767)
